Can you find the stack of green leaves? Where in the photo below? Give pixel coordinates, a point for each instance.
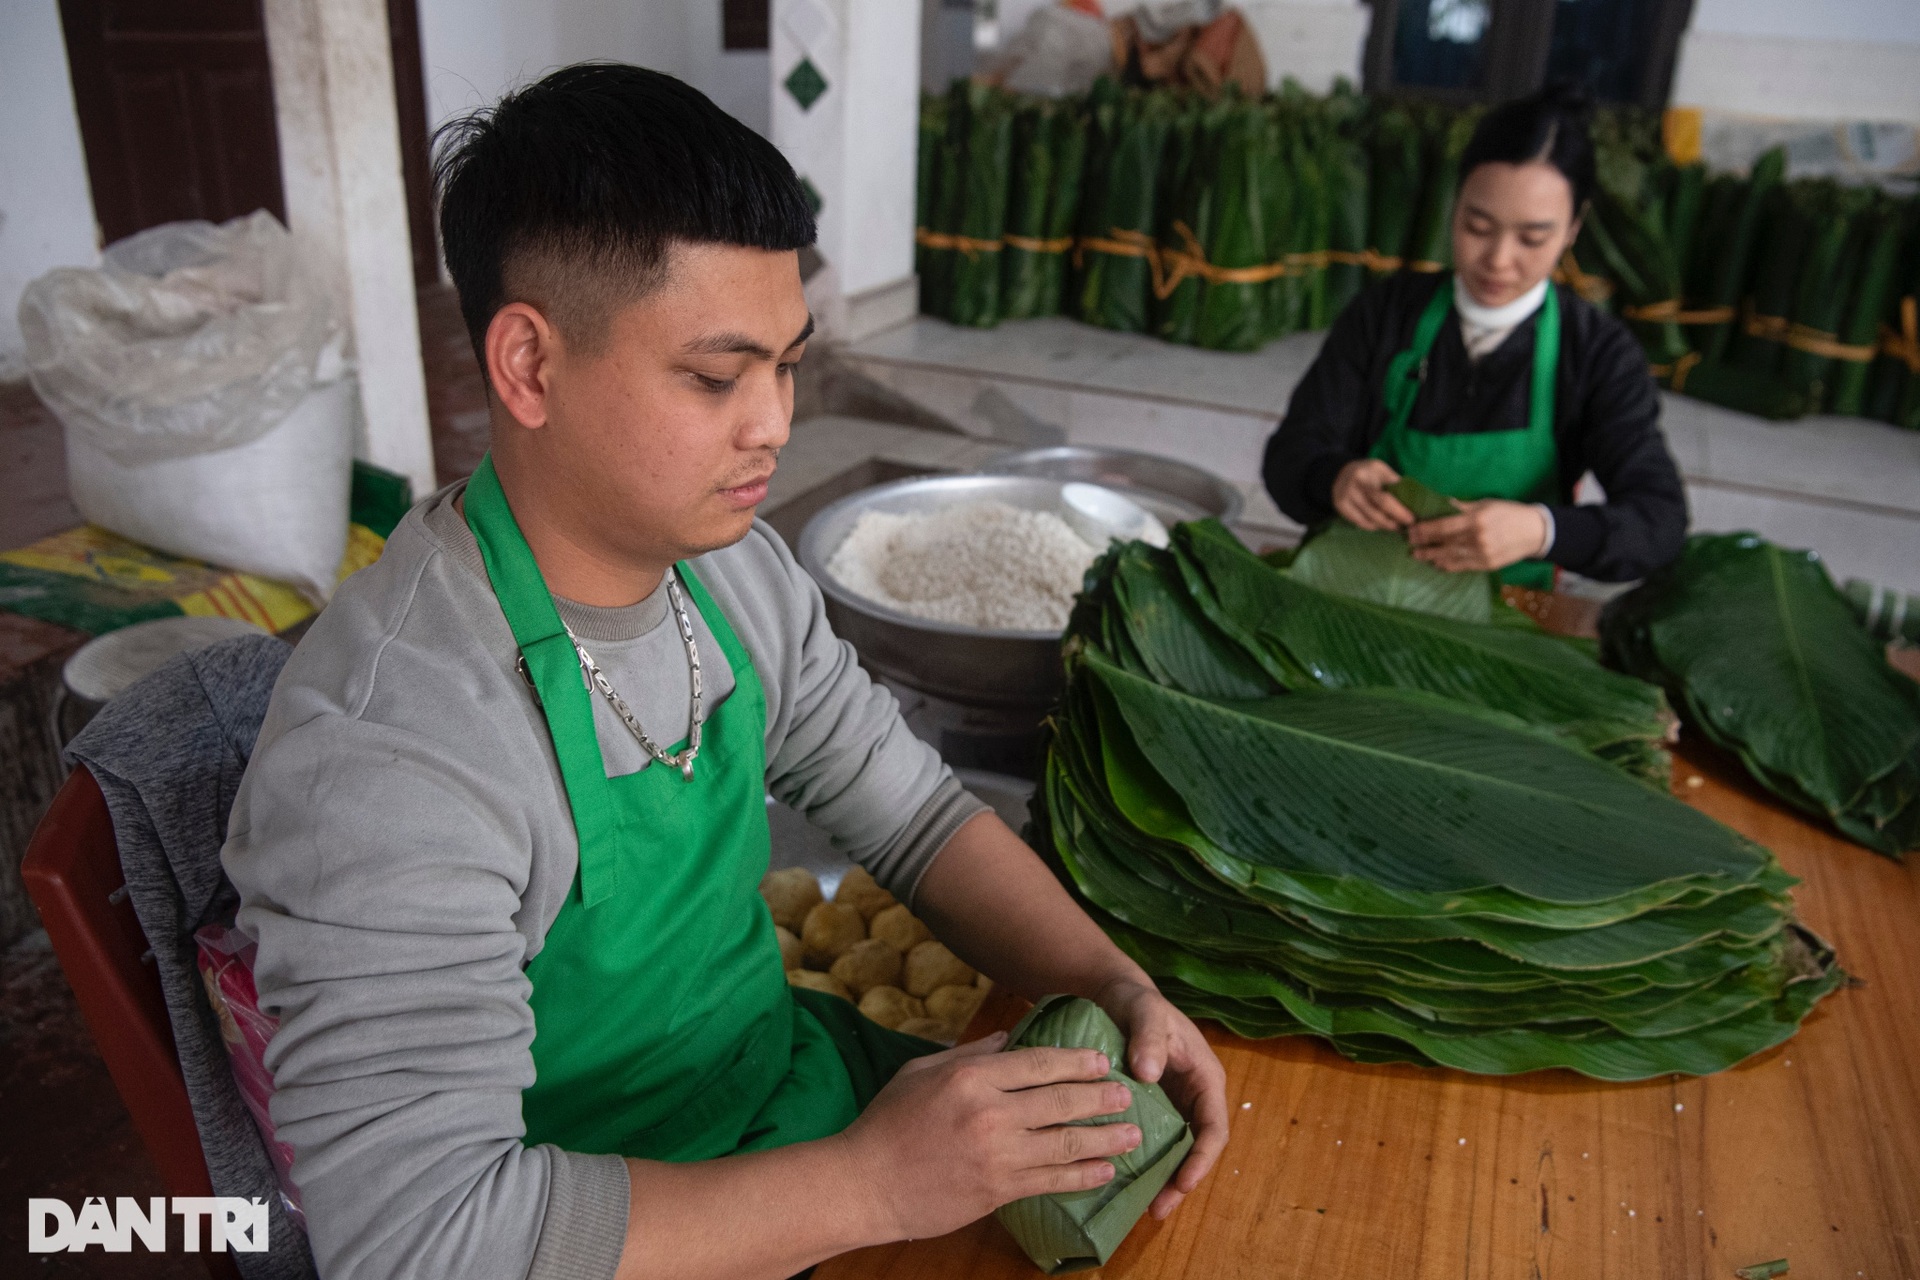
(1394, 194)
(1393, 860)
(1894, 394)
(1077, 1231)
(1043, 199)
(1446, 136)
(1767, 658)
(1127, 137)
(1721, 254)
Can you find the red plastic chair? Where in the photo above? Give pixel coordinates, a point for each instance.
(72, 873)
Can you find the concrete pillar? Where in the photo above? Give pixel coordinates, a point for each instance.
(846, 105)
(340, 162)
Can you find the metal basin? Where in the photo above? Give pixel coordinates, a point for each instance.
(1171, 489)
(973, 666)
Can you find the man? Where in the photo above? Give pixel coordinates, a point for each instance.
(528, 993)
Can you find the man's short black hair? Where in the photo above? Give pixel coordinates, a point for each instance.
(568, 194)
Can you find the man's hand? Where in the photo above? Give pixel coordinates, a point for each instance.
(1164, 1047)
(1360, 494)
(1487, 535)
(955, 1135)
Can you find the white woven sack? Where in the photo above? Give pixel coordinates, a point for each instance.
(276, 506)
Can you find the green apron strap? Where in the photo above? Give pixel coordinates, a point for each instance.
(1546, 366)
(555, 667)
(1408, 369)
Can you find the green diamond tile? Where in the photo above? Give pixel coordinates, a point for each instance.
(814, 202)
(806, 84)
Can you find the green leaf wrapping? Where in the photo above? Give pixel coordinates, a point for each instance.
(1080, 1230)
(1129, 134)
(1304, 638)
(1409, 877)
(1376, 565)
(1806, 698)
(988, 140)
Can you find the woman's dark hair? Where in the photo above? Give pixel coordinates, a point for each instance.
(568, 194)
(1550, 126)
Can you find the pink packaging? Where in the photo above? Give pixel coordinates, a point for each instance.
(226, 968)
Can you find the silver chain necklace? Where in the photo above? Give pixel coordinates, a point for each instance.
(683, 760)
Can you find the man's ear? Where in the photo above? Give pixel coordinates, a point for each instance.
(521, 346)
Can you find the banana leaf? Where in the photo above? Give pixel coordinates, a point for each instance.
(1761, 392)
(1725, 251)
(1344, 167)
(1187, 181)
(1425, 503)
(1113, 285)
(1307, 234)
(1289, 1008)
(1306, 638)
(1049, 148)
(1631, 967)
(1285, 200)
(1376, 565)
(1231, 313)
(1825, 283)
(1882, 232)
(1762, 653)
(1769, 295)
(1497, 808)
(1700, 985)
(1395, 186)
(1447, 136)
(1080, 1230)
(975, 267)
(1629, 231)
(942, 126)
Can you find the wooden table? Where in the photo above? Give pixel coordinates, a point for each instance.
(1336, 1171)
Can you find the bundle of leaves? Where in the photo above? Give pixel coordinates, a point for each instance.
(1309, 813)
(1766, 658)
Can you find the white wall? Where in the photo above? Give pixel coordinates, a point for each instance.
(1791, 59)
(46, 209)
(476, 50)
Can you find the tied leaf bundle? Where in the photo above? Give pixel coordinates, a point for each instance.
(1297, 832)
(1114, 260)
(1080, 1230)
(1805, 698)
(1049, 150)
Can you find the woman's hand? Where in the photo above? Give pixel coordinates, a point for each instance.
(1360, 494)
(1164, 1046)
(1487, 535)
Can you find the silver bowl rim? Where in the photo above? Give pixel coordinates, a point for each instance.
(814, 561)
(1236, 502)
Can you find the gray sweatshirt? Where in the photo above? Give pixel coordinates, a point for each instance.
(402, 843)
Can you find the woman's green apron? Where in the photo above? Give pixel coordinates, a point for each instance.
(1521, 466)
(664, 1027)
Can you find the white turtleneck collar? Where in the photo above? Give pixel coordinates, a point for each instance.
(1482, 328)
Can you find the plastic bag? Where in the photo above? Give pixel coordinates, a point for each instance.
(190, 337)
(226, 969)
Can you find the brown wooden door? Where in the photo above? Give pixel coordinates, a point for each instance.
(175, 100)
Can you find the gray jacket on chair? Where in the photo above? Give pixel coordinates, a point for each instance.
(168, 754)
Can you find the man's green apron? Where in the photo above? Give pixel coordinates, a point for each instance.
(1521, 466)
(664, 1027)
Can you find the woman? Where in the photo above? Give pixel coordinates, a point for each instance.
(1492, 385)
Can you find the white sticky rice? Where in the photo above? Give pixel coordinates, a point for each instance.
(980, 564)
